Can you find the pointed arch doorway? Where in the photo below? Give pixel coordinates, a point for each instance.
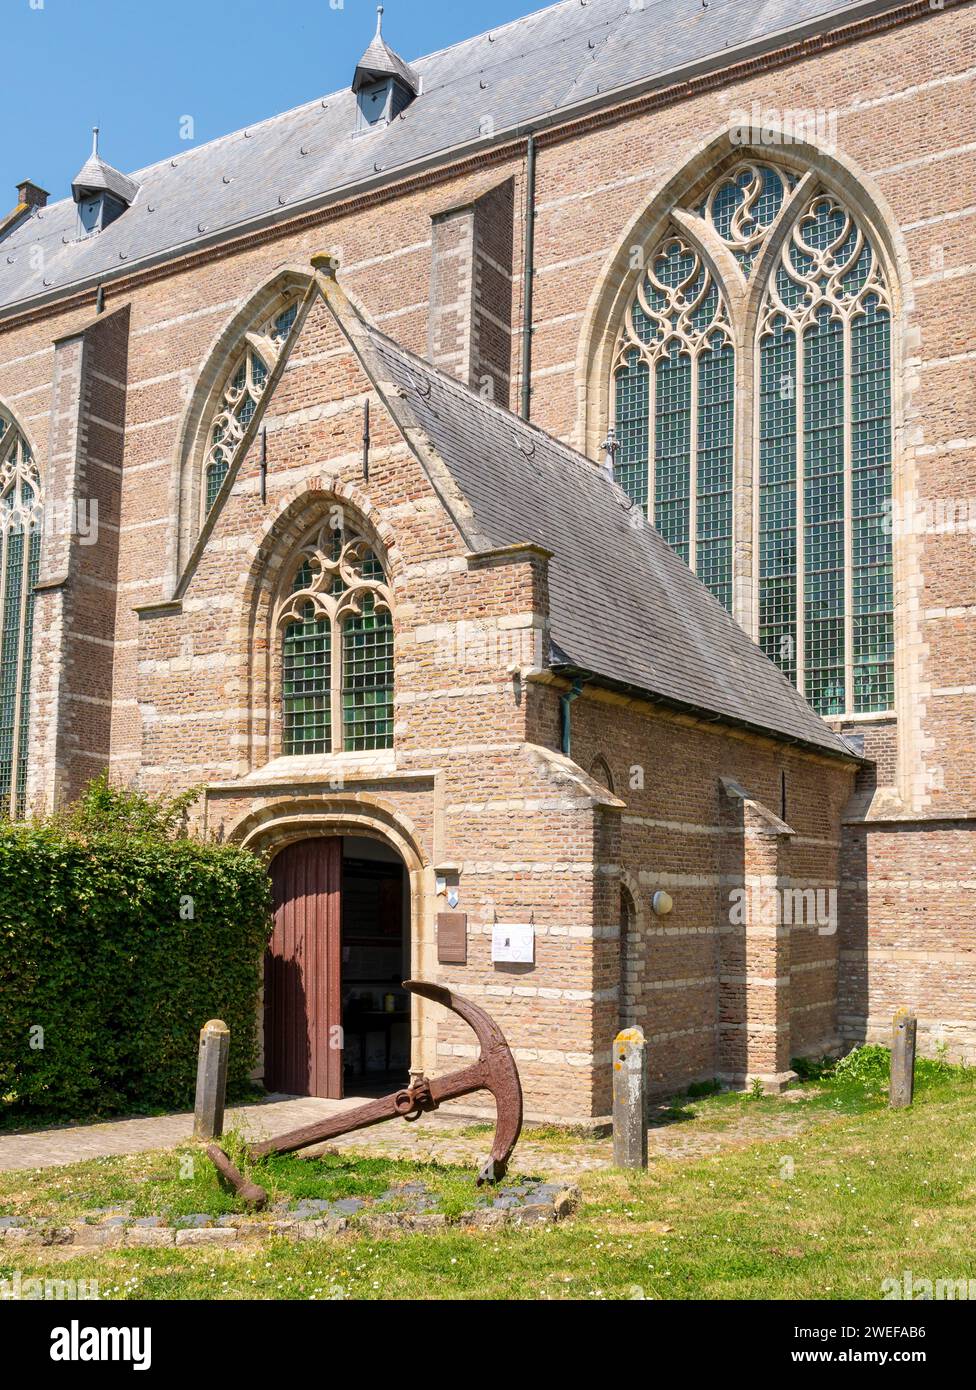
(336, 1019)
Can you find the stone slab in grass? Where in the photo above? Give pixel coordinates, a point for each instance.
(523, 1204)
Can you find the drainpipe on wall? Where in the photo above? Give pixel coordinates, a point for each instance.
(565, 704)
(528, 276)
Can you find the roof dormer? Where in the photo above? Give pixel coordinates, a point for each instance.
(383, 82)
(101, 192)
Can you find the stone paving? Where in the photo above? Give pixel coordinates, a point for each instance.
(442, 1138)
(46, 1148)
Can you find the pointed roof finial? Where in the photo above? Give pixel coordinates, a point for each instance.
(95, 176)
(380, 61)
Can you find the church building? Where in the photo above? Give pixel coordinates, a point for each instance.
(532, 494)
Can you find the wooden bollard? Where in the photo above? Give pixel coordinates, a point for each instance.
(630, 1099)
(901, 1091)
(208, 1112)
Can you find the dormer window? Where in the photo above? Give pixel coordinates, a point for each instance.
(101, 193)
(98, 212)
(381, 102)
(384, 84)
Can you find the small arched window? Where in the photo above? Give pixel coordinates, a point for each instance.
(336, 627)
(21, 508)
(240, 396)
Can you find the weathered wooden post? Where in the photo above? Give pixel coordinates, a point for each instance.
(902, 1088)
(630, 1099)
(208, 1112)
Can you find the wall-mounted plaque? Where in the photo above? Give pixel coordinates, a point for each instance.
(452, 938)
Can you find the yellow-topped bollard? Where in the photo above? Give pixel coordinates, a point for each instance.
(630, 1099)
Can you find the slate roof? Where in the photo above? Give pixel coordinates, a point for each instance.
(531, 71)
(623, 606)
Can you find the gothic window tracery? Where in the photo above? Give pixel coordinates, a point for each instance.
(675, 385)
(817, 437)
(21, 508)
(825, 452)
(336, 626)
(239, 398)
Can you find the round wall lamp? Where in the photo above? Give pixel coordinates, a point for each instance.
(662, 903)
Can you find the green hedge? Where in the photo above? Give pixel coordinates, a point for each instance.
(120, 938)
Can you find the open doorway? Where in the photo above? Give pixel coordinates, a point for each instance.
(338, 955)
(375, 960)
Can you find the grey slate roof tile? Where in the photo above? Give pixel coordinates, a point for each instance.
(623, 605)
(531, 68)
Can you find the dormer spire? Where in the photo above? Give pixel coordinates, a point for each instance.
(379, 63)
(101, 192)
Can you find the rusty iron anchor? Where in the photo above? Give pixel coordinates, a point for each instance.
(494, 1071)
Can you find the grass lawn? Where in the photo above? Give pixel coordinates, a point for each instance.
(848, 1194)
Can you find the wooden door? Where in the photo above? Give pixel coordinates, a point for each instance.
(302, 998)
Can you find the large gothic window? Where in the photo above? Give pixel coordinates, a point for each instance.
(240, 395)
(21, 507)
(336, 627)
(817, 433)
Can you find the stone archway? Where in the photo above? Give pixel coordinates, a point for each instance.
(304, 820)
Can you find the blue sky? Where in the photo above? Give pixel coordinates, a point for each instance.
(137, 67)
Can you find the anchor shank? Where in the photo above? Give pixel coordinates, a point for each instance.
(373, 1113)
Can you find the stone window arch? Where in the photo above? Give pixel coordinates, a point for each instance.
(753, 373)
(223, 397)
(600, 772)
(21, 514)
(334, 631)
(238, 398)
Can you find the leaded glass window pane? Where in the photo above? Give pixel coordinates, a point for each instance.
(777, 498)
(367, 679)
(672, 450)
(337, 655)
(216, 474)
(716, 408)
(307, 675)
(823, 452)
(633, 406)
(825, 339)
(870, 499)
(13, 572)
(674, 391)
(20, 552)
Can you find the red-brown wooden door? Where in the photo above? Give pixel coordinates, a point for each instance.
(302, 999)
